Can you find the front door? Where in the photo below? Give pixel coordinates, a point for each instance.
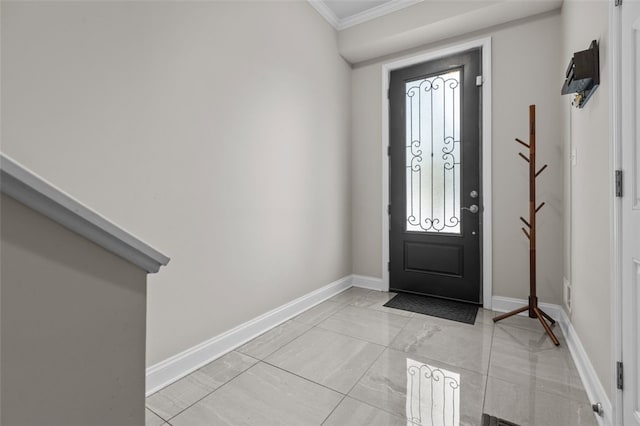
(435, 192)
(630, 91)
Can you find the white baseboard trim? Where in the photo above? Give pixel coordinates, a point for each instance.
(370, 283)
(508, 304)
(168, 371)
(593, 386)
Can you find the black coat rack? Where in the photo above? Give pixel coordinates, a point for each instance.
(530, 232)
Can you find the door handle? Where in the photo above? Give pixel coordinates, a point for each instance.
(473, 208)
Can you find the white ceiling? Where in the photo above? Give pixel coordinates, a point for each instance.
(347, 13)
(347, 8)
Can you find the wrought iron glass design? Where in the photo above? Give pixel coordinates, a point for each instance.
(433, 153)
(433, 395)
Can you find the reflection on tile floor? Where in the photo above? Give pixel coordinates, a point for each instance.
(352, 361)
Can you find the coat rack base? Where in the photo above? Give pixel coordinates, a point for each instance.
(534, 312)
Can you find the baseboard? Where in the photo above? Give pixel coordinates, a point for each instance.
(371, 283)
(508, 304)
(593, 386)
(178, 366)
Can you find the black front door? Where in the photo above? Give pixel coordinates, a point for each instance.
(435, 193)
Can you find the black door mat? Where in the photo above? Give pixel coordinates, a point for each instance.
(441, 308)
(488, 420)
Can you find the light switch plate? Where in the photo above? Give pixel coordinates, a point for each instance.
(567, 294)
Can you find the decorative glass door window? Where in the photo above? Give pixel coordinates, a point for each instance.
(433, 153)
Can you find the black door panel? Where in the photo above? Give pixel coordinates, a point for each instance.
(434, 165)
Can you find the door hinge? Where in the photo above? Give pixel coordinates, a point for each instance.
(619, 375)
(618, 183)
(388, 150)
(479, 80)
(388, 266)
(388, 208)
(618, 3)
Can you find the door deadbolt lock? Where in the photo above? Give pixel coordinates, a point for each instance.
(473, 194)
(473, 208)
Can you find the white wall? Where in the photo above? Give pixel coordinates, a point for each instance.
(590, 190)
(525, 62)
(216, 131)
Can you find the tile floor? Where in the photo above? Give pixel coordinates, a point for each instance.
(352, 361)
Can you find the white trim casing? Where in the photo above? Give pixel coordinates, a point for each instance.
(176, 367)
(20, 183)
(370, 283)
(485, 45)
(615, 210)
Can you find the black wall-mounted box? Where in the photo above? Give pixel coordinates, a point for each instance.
(583, 74)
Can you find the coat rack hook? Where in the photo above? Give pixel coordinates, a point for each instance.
(523, 156)
(541, 170)
(526, 233)
(522, 142)
(525, 222)
(539, 207)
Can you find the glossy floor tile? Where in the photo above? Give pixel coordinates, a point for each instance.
(376, 299)
(269, 342)
(263, 396)
(485, 316)
(527, 406)
(151, 419)
(527, 339)
(319, 312)
(350, 296)
(366, 324)
(352, 361)
(353, 412)
(551, 370)
(521, 321)
(330, 359)
(409, 385)
(176, 397)
(461, 345)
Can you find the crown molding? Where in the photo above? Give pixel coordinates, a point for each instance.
(324, 10)
(340, 24)
(376, 12)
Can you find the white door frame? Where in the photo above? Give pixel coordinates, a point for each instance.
(429, 55)
(618, 290)
(615, 209)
